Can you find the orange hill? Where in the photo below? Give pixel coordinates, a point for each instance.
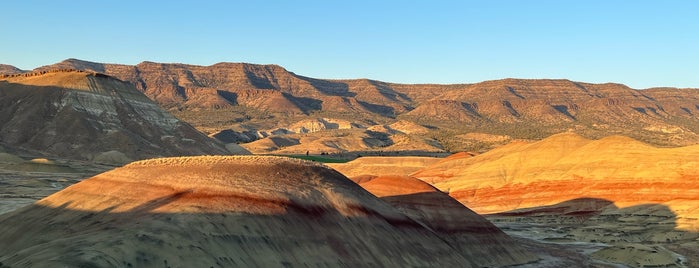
(453, 222)
(565, 167)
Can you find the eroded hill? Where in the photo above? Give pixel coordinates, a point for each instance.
(626, 201)
(450, 220)
(91, 116)
(221, 212)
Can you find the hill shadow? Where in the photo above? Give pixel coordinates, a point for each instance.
(460, 227)
(379, 109)
(301, 236)
(375, 138)
(388, 92)
(638, 235)
(330, 88)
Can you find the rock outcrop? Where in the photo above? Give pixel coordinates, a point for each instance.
(320, 124)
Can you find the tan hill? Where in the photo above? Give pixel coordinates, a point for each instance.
(383, 165)
(401, 127)
(222, 211)
(80, 115)
(408, 127)
(353, 141)
(250, 97)
(567, 166)
(329, 135)
(9, 69)
(456, 224)
(335, 141)
(320, 124)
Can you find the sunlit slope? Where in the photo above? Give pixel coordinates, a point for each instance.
(566, 166)
(383, 165)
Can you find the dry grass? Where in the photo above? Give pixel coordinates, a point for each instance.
(219, 159)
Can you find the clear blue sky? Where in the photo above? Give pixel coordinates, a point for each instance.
(638, 43)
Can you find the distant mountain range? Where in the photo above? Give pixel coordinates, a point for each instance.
(261, 101)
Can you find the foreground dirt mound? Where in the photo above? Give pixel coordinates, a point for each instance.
(80, 115)
(220, 212)
(456, 224)
(565, 167)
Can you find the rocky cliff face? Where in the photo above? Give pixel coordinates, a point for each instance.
(81, 115)
(561, 104)
(225, 84)
(518, 108)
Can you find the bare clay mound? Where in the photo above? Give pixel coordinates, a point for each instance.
(91, 116)
(454, 223)
(220, 211)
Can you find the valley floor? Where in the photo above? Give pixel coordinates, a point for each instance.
(558, 246)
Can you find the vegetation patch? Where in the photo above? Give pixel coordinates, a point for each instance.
(318, 158)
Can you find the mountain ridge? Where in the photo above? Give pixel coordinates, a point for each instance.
(243, 97)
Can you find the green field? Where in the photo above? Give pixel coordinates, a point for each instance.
(318, 158)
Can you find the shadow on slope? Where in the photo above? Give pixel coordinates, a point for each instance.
(328, 87)
(82, 123)
(44, 236)
(462, 228)
(637, 236)
(218, 212)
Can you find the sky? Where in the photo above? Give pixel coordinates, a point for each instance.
(639, 43)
